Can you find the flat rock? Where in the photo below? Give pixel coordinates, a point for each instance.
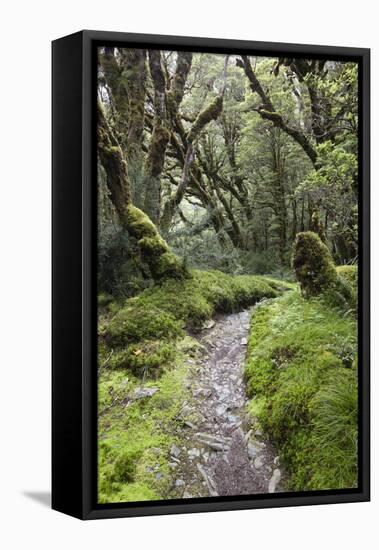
(175, 451)
(275, 478)
(208, 324)
(252, 450)
(193, 453)
(140, 393)
(258, 462)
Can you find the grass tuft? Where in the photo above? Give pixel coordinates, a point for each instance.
(301, 378)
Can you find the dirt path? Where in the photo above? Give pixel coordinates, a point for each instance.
(220, 454)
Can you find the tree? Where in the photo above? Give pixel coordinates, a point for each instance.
(155, 251)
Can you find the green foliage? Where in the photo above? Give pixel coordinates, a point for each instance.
(349, 273)
(301, 379)
(313, 264)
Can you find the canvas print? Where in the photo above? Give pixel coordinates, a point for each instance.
(227, 274)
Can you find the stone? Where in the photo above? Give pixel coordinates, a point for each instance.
(258, 462)
(220, 410)
(189, 424)
(275, 478)
(140, 393)
(175, 451)
(186, 494)
(247, 436)
(172, 465)
(202, 392)
(208, 481)
(277, 461)
(179, 482)
(208, 324)
(193, 453)
(252, 450)
(158, 475)
(244, 342)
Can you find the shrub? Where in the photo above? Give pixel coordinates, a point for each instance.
(313, 264)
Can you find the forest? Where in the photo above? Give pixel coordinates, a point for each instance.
(227, 197)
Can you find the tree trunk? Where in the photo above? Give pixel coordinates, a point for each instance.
(166, 106)
(154, 250)
(211, 112)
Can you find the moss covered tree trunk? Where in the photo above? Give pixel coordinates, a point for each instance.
(211, 112)
(166, 104)
(154, 250)
(113, 70)
(125, 77)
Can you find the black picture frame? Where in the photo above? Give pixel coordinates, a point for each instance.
(74, 275)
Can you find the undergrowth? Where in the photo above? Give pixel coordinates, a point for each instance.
(302, 381)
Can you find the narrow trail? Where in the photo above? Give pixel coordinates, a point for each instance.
(220, 455)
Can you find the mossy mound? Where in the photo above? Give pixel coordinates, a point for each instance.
(302, 380)
(313, 264)
(136, 323)
(146, 359)
(140, 334)
(349, 273)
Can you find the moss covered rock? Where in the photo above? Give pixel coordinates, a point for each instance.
(313, 264)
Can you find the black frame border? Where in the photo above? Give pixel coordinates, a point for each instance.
(74, 452)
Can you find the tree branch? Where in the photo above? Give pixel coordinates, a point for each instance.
(267, 110)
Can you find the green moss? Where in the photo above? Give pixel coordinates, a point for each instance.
(139, 224)
(146, 359)
(194, 300)
(135, 436)
(163, 264)
(141, 333)
(300, 364)
(349, 273)
(168, 265)
(313, 264)
(136, 322)
(211, 112)
(104, 300)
